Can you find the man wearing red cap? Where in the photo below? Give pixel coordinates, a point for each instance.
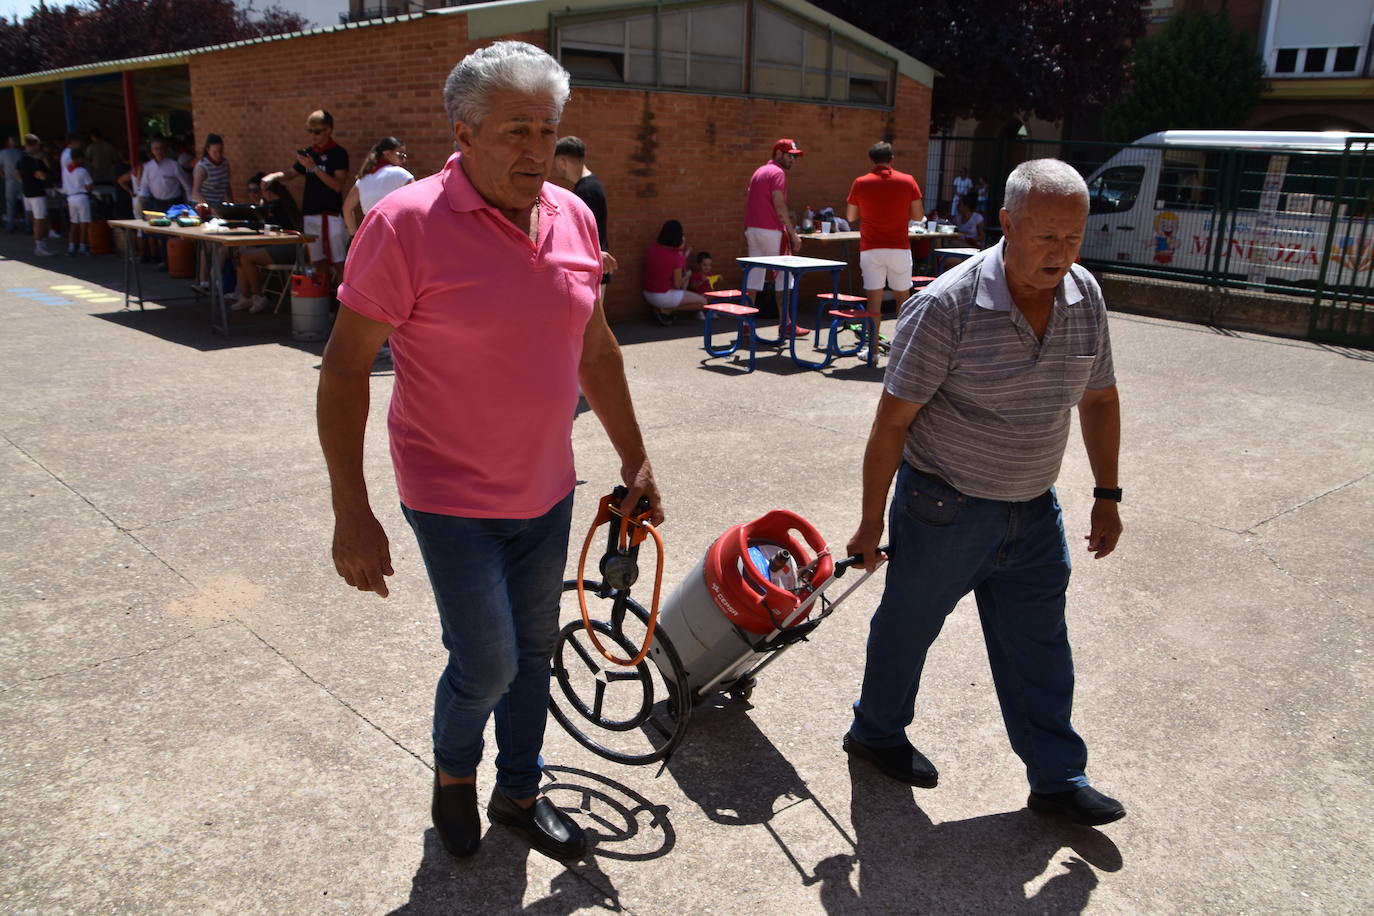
(766, 219)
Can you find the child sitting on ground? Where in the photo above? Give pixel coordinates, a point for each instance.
(703, 281)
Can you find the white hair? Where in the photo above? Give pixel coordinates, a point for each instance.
(1048, 176)
(503, 65)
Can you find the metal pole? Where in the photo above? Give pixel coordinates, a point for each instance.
(131, 120)
(21, 110)
(69, 106)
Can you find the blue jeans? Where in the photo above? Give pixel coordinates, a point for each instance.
(1014, 558)
(15, 217)
(497, 583)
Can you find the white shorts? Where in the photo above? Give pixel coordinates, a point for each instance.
(669, 299)
(37, 207)
(886, 267)
(337, 238)
(79, 208)
(763, 243)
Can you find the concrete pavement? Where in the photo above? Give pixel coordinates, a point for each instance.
(198, 716)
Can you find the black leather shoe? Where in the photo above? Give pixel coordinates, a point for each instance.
(903, 763)
(1082, 806)
(543, 826)
(454, 811)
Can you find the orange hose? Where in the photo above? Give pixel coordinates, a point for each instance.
(653, 608)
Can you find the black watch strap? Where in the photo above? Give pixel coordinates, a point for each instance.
(1112, 493)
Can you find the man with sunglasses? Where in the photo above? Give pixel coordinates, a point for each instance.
(324, 165)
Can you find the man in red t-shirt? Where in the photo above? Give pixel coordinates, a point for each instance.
(883, 201)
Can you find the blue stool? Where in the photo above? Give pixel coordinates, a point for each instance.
(718, 304)
(858, 319)
(834, 300)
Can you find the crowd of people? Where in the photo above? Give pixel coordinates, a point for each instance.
(51, 186)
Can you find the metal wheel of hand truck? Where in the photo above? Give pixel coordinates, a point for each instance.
(628, 715)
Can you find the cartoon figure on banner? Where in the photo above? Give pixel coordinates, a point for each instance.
(1346, 252)
(1166, 225)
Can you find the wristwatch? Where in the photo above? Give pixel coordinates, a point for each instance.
(1112, 493)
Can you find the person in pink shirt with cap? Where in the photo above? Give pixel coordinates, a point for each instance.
(451, 270)
(768, 228)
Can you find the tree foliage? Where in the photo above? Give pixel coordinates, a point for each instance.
(1004, 58)
(65, 36)
(1198, 73)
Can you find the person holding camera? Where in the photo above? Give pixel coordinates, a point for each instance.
(324, 165)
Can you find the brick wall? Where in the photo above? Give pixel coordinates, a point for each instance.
(660, 155)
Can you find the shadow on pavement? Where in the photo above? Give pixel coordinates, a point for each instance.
(904, 862)
(982, 864)
(705, 769)
(620, 823)
(189, 326)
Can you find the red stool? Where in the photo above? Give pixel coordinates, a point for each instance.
(717, 303)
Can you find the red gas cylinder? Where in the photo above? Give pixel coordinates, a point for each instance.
(743, 592)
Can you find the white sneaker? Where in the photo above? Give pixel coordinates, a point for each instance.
(239, 304)
(259, 305)
(863, 355)
(42, 251)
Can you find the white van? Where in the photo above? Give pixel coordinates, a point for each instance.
(1247, 205)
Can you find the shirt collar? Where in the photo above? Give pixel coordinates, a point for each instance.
(995, 296)
(463, 197)
(884, 169)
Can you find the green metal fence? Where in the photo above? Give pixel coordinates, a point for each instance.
(1286, 221)
(1343, 302)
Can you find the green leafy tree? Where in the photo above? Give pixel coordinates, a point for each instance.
(1198, 73)
(64, 36)
(1001, 58)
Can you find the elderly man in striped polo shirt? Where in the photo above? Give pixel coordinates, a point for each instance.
(985, 368)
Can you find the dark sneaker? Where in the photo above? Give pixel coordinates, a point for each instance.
(543, 826)
(662, 316)
(903, 763)
(1082, 806)
(454, 811)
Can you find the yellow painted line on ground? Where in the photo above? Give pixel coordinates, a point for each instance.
(66, 287)
(104, 299)
(86, 293)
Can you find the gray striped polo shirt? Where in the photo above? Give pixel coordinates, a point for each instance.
(997, 401)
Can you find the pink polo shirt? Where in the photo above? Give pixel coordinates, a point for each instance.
(488, 339)
(759, 212)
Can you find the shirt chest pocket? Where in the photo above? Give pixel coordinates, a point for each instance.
(581, 287)
(1077, 369)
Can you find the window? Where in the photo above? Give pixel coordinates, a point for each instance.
(699, 47)
(703, 46)
(801, 60)
(1318, 61)
(1183, 185)
(1115, 190)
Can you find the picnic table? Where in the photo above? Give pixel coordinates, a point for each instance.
(792, 267)
(218, 241)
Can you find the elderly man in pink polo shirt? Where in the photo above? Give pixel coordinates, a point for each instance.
(451, 269)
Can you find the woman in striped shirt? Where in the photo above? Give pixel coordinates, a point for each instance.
(210, 179)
